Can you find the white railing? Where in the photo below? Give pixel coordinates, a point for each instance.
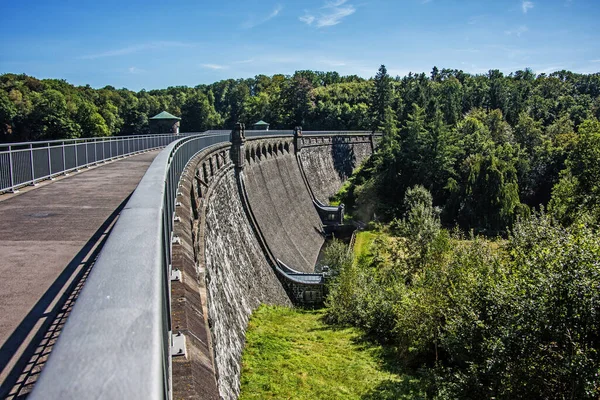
(28, 163)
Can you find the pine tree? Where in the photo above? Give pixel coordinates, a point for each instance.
(381, 98)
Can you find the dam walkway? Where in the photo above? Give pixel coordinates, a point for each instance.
(49, 239)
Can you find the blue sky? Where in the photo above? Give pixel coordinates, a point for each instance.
(148, 44)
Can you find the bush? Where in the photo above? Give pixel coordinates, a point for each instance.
(528, 326)
(520, 322)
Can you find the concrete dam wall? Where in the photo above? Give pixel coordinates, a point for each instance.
(239, 210)
(328, 161)
(282, 204)
(239, 279)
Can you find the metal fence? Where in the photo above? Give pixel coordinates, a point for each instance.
(31, 162)
(117, 340)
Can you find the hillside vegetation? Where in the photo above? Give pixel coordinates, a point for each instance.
(488, 147)
(479, 319)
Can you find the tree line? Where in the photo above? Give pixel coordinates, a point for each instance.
(33, 109)
(489, 147)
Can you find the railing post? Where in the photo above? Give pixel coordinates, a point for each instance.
(49, 163)
(32, 167)
(64, 159)
(87, 163)
(95, 151)
(10, 170)
(76, 158)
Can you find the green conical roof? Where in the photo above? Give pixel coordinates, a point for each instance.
(165, 115)
(261, 122)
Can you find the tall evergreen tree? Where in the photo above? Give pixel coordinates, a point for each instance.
(381, 97)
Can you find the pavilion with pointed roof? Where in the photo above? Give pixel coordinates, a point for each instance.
(261, 126)
(164, 123)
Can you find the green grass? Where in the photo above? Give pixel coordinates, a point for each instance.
(364, 240)
(294, 354)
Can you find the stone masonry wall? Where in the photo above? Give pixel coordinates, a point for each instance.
(238, 278)
(282, 205)
(328, 166)
(225, 272)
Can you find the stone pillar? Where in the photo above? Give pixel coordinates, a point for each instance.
(297, 139)
(238, 137)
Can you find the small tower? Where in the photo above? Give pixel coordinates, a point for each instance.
(297, 139)
(261, 126)
(164, 123)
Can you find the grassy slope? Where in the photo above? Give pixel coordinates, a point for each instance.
(293, 354)
(362, 245)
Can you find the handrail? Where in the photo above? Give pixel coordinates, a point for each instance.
(116, 342)
(28, 163)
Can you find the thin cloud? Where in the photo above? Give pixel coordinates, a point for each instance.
(214, 66)
(595, 61)
(253, 22)
(332, 63)
(249, 61)
(517, 31)
(135, 70)
(307, 19)
(550, 69)
(136, 49)
(526, 6)
(332, 13)
(466, 50)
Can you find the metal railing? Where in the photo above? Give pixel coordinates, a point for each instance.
(117, 340)
(28, 163)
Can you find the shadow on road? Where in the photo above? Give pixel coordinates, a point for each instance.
(42, 325)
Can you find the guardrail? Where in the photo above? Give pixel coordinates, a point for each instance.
(117, 340)
(27, 163)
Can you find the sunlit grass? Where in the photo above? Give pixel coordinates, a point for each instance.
(363, 243)
(294, 354)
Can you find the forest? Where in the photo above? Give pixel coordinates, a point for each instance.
(489, 147)
(483, 274)
(484, 195)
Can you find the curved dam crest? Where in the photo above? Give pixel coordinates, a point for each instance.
(241, 208)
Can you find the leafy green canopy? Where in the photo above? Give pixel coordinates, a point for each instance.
(488, 147)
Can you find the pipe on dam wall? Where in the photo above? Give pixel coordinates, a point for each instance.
(225, 250)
